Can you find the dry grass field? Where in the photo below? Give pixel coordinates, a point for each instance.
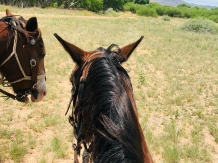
(174, 76)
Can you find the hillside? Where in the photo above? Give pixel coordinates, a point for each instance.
(169, 2)
(177, 2)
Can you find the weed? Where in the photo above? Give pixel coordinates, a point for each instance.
(166, 18)
(200, 25)
(17, 151)
(58, 148)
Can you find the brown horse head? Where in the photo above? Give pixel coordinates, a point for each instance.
(105, 114)
(22, 55)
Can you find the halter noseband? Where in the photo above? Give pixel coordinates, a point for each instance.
(33, 78)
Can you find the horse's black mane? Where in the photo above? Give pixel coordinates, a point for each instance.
(106, 112)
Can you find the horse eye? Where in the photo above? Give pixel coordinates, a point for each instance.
(41, 56)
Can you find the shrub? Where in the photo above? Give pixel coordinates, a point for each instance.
(160, 11)
(201, 26)
(174, 12)
(55, 5)
(214, 18)
(184, 5)
(110, 11)
(166, 18)
(146, 11)
(131, 7)
(143, 2)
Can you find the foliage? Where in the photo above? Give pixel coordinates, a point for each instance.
(173, 12)
(146, 11)
(110, 11)
(131, 7)
(142, 10)
(181, 11)
(115, 4)
(184, 5)
(153, 9)
(201, 26)
(92, 5)
(142, 2)
(166, 18)
(214, 18)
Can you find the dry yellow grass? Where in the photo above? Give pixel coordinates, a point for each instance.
(174, 75)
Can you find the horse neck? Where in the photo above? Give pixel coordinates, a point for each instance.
(128, 88)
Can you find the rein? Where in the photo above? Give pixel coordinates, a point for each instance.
(22, 97)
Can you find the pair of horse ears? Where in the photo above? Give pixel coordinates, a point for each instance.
(78, 55)
(31, 25)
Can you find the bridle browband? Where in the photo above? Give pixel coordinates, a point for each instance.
(22, 97)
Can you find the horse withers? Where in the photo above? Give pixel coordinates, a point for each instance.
(22, 55)
(104, 114)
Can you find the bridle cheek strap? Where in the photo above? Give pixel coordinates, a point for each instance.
(73, 117)
(33, 78)
(83, 73)
(25, 77)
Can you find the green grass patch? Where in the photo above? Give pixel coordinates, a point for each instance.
(58, 147)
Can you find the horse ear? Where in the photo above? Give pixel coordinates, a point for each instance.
(126, 51)
(32, 24)
(8, 13)
(76, 53)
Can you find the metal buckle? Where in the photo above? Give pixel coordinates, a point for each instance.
(33, 62)
(32, 42)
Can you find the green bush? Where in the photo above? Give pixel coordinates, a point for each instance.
(214, 18)
(131, 7)
(160, 11)
(55, 5)
(166, 18)
(174, 12)
(110, 11)
(200, 25)
(146, 11)
(184, 6)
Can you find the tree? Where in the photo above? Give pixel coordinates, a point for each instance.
(92, 5)
(184, 5)
(142, 2)
(115, 4)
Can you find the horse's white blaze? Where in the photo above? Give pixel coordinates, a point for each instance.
(41, 87)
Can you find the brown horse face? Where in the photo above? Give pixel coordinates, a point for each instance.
(36, 51)
(30, 52)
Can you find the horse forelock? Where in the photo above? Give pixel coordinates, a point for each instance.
(11, 24)
(108, 114)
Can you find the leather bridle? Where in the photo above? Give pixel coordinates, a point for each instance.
(75, 93)
(22, 97)
(82, 76)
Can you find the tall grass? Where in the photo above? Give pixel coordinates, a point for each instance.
(174, 75)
